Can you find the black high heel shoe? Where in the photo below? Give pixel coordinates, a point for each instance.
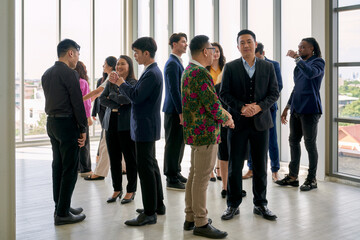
(111, 199)
(124, 201)
(223, 193)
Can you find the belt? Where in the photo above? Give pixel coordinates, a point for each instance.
(59, 115)
(114, 110)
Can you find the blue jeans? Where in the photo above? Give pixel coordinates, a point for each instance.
(273, 147)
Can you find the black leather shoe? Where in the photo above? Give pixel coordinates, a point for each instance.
(142, 220)
(76, 211)
(243, 193)
(223, 193)
(288, 181)
(308, 185)
(124, 201)
(210, 232)
(212, 179)
(111, 199)
(264, 212)
(176, 185)
(229, 213)
(70, 219)
(181, 178)
(159, 211)
(190, 225)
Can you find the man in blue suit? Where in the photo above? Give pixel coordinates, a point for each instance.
(145, 97)
(174, 142)
(305, 107)
(273, 145)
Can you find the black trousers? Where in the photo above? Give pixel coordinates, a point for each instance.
(303, 125)
(150, 178)
(64, 134)
(118, 143)
(85, 159)
(238, 145)
(174, 145)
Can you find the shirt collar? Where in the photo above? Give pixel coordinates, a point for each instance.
(246, 63)
(196, 63)
(180, 59)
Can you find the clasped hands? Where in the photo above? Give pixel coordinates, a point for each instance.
(250, 110)
(292, 54)
(116, 79)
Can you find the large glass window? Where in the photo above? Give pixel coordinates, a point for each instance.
(262, 29)
(143, 24)
(39, 54)
(229, 26)
(347, 90)
(204, 18)
(181, 23)
(293, 29)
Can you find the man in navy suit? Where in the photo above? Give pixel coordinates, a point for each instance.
(249, 88)
(305, 108)
(174, 142)
(145, 97)
(273, 145)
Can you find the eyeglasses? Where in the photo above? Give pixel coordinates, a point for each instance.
(212, 48)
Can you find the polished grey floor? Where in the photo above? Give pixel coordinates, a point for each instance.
(330, 212)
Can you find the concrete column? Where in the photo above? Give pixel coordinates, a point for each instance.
(7, 119)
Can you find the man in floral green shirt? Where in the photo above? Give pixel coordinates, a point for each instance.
(202, 116)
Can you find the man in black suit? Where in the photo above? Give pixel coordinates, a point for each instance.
(66, 127)
(174, 142)
(249, 88)
(145, 97)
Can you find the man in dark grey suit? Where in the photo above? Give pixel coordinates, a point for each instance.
(145, 97)
(249, 88)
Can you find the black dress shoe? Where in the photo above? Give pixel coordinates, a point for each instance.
(142, 220)
(264, 212)
(181, 178)
(159, 211)
(223, 193)
(210, 232)
(308, 185)
(190, 225)
(243, 193)
(229, 213)
(111, 199)
(176, 185)
(213, 179)
(124, 201)
(89, 178)
(70, 219)
(76, 211)
(288, 181)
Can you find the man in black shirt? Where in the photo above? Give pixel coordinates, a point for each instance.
(66, 127)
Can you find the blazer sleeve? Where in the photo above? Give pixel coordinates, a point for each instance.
(105, 101)
(171, 75)
(312, 69)
(278, 75)
(120, 98)
(142, 90)
(272, 91)
(225, 91)
(209, 99)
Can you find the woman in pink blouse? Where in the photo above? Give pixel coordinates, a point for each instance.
(85, 159)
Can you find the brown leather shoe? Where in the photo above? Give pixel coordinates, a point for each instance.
(249, 174)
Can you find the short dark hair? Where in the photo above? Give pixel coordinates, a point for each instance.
(145, 44)
(129, 61)
(175, 37)
(315, 44)
(260, 48)
(198, 43)
(65, 45)
(245, 31)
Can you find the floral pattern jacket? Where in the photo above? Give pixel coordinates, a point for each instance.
(202, 110)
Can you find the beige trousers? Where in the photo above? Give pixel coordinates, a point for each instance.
(202, 163)
(102, 167)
